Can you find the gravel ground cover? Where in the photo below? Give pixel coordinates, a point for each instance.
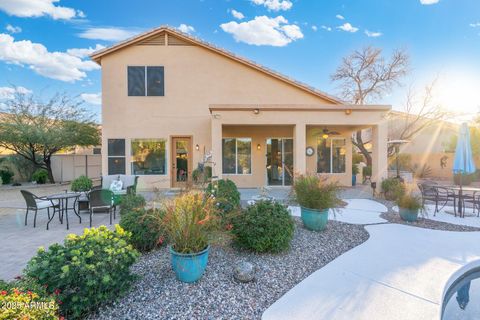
(424, 222)
(158, 295)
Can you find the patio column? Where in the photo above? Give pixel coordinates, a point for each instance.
(216, 129)
(300, 143)
(379, 153)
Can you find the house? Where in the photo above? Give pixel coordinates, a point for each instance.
(171, 101)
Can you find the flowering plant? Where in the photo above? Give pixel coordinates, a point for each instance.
(189, 221)
(19, 304)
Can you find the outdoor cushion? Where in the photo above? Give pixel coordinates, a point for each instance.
(43, 204)
(116, 185)
(107, 181)
(128, 180)
(120, 192)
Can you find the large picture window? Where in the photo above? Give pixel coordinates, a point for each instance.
(331, 155)
(237, 155)
(146, 81)
(148, 156)
(116, 156)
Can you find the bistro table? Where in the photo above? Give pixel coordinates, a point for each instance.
(471, 192)
(63, 199)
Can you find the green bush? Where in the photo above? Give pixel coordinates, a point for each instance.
(40, 176)
(357, 158)
(6, 175)
(202, 174)
(314, 192)
(355, 169)
(145, 226)
(226, 195)
(265, 226)
(367, 171)
(82, 183)
(393, 188)
(131, 202)
(87, 270)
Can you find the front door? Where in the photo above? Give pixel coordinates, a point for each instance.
(181, 161)
(279, 162)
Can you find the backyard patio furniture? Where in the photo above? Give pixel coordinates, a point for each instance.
(102, 200)
(129, 185)
(464, 195)
(63, 199)
(437, 194)
(38, 203)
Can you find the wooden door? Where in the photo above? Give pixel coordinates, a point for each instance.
(181, 162)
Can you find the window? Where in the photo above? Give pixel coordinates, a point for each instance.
(148, 156)
(116, 156)
(331, 155)
(97, 150)
(146, 81)
(237, 155)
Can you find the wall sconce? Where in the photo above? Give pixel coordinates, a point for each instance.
(197, 147)
(325, 136)
(256, 111)
(259, 146)
(348, 112)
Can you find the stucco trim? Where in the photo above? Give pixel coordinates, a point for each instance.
(97, 57)
(298, 107)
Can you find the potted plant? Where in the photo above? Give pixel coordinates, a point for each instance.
(315, 196)
(408, 207)
(189, 221)
(355, 171)
(82, 184)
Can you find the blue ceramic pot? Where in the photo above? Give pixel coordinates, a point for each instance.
(354, 180)
(189, 267)
(315, 220)
(408, 215)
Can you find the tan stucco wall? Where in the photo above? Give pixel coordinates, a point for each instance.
(194, 79)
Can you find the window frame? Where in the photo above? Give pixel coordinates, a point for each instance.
(331, 155)
(166, 157)
(236, 157)
(146, 80)
(116, 156)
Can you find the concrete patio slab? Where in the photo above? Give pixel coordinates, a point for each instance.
(446, 215)
(400, 272)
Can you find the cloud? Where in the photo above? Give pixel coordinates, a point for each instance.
(275, 5)
(428, 2)
(348, 27)
(7, 93)
(12, 29)
(185, 28)
(264, 31)
(92, 98)
(84, 52)
(326, 28)
(372, 34)
(237, 14)
(107, 34)
(39, 8)
(314, 28)
(475, 25)
(55, 65)
(339, 16)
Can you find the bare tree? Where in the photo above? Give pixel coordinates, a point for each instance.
(365, 75)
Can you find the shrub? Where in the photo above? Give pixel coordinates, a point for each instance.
(367, 172)
(130, 202)
(355, 169)
(189, 222)
(314, 192)
(410, 202)
(393, 188)
(226, 195)
(202, 174)
(265, 226)
(82, 183)
(145, 226)
(1, 181)
(6, 175)
(87, 270)
(40, 176)
(357, 158)
(17, 303)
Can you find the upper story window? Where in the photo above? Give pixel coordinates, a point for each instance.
(146, 81)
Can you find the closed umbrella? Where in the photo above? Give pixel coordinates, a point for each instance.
(463, 163)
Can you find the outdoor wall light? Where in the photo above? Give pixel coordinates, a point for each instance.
(325, 136)
(197, 147)
(259, 146)
(348, 112)
(256, 111)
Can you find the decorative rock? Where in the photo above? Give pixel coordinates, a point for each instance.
(244, 272)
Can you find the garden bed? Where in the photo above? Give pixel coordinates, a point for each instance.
(217, 295)
(424, 222)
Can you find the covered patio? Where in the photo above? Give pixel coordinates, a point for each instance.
(267, 145)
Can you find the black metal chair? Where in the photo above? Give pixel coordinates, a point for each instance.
(437, 194)
(35, 203)
(101, 200)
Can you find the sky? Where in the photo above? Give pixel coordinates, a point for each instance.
(44, 44)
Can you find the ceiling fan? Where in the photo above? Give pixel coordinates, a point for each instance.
(325, 133)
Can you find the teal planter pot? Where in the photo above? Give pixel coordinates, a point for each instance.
(354, 180)
(408, 215)
(189, 267)
(315, 220)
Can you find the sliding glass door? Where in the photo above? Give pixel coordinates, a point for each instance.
(279, 162)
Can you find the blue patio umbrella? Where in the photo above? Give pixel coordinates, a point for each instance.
(463, 163)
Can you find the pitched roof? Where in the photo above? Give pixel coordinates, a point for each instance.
(97, 57)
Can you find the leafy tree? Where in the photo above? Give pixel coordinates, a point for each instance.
(365, 75)
(35, 129)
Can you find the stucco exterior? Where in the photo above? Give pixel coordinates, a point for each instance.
(210, 95)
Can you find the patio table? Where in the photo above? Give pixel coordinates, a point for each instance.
(471, 191)
(63, 198)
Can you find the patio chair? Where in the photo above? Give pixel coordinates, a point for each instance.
(101, 200)
(436, 194)
(38, 203)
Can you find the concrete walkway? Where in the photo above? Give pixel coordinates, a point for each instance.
(400, 272)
